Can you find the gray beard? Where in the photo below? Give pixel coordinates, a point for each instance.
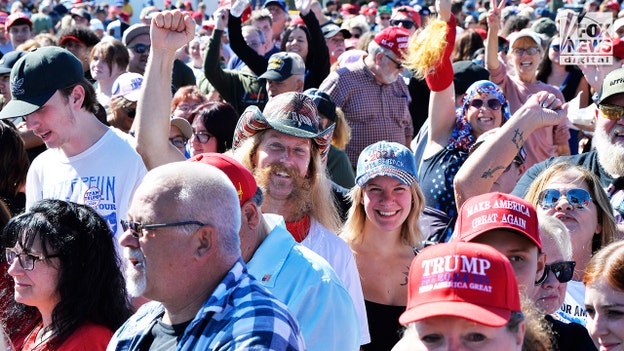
(610, 155)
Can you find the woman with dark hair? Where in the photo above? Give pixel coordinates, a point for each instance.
(306, 40)
(65, 266)
(14, 166)
(213, 127)
(466, 44)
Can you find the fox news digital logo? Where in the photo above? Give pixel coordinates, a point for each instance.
(585, 38)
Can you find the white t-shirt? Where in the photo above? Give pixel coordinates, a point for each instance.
(573, 308)
(104, 177)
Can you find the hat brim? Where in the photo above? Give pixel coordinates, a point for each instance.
(274, 76)
(488, 316)
(19, 108)
(386, 171)
(183, 125)
(5, 70)
(499, 226)
(253, 121)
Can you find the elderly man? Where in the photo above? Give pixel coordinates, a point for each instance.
(606, 160)
(293, 273)
(371, 94)
(188, 261)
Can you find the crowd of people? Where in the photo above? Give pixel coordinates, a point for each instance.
(309, 175)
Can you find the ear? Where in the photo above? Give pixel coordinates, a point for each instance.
(204, 237)
(251, 217)
(77, 96)
(541, 264)
(598, 229)
(521, 169)
(520, 335)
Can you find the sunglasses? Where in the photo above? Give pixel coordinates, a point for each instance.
(556, 47)
(384, 18)
(579, 198)
(529, 51)
(140, 48)
(563, 271)
(407, 24)
(492, 104)
(130, 111)
(612, 112)
(137, 227)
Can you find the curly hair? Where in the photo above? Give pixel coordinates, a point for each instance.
(90, 283)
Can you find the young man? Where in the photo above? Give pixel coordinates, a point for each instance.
(510, 225)
(86, 162)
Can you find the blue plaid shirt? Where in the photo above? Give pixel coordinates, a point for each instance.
(239, 315)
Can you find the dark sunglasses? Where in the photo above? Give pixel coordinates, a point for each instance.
(556, 47)
(130, 111)
(579, 198)
(612, 112)
(407, 24)
(492, 104)
(563, 271)
(140, 48)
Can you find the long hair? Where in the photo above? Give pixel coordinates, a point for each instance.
(466, 43)
(410, 229)
(323, 203)
(607, 263)
(90, 284)
(598, 195)
(14, 161)
(286, 37)
(342, 131)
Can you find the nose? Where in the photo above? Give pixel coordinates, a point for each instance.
(128, 240)
(551, 281)
(15, 268)
(563, 204)
(597, 326)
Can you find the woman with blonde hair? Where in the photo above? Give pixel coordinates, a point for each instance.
(574, 195)
(382, 231)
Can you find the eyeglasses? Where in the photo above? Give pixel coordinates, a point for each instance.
(137, 227)
(397, 63)
(203, 137)
(140, 48)
(612, 112)
(26, 260)
(556, 47)
(179, 141)
(579, 198)
(407, 24)
(563, 271)
(503, 48)
(385, 18)
(492, 104)
(529, 51)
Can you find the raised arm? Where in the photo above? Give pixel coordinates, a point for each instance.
(257, 63)
(439, 79)
(477, 175)
(318, 68)
(169, 31)
(491, 42)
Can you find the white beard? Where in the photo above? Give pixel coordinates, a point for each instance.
(610, 154)
(136, 282)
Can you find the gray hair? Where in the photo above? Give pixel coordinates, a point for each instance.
(554, 229)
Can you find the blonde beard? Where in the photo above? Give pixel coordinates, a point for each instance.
(610, 155)
(299, 201)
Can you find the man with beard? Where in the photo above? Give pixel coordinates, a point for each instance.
(284, 147)
(607, 159)
(293, 273)
(371, 94)
(188, 262)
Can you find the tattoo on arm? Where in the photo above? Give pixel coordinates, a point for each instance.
(490, 172)
(518, 138)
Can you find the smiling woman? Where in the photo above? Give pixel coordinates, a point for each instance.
(64, 264)
(382, 231)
